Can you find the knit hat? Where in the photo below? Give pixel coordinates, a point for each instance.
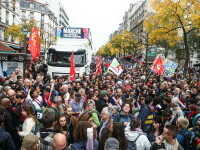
(112, 144)
(103, 93)
(29, 141)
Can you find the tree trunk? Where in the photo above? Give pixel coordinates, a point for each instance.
(187, 53)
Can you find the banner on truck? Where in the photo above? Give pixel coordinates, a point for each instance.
(72, 33)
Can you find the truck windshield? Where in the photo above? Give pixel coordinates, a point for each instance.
(64, 58)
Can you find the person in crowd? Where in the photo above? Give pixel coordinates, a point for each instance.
(105, 129)
(135, 135)
(89, 106)
(176, 110)
(118, 97)
(183, 133)
(80, 137)
(146, 114)
(156, 129)
(31, 142)
(77, 104)
(125, 116)
(10, 121)
(111, 144)
(61, 125)
(168, 139)
(59, 142)
(196, 131)
(64, 89)
(29, 123)
(71, 123)
(118, 133)
(57, 107)
(47, 132)
(103, 101)
(37, 102)
(6, 142)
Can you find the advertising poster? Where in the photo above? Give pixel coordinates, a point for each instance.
(9, 66)
(72, 33)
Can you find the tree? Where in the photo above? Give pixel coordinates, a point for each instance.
(16, 31)
(173, 22)
(124, 42)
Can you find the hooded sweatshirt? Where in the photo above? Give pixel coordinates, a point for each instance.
(142, 142)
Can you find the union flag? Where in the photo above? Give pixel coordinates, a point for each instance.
(34, 44)
(158, 66)
(72, 68)
(98, 65)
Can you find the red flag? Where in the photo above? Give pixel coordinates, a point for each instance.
(72, 68)
(158, 66)
(34, 44)
(98, 65)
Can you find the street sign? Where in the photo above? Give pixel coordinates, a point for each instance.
(151, 54)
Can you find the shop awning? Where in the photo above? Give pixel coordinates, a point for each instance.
(196, 65)
(13, 46)
(6, 49)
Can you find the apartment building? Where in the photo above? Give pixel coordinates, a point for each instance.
(9, 15)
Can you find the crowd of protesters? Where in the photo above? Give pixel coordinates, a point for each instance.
(136, 110)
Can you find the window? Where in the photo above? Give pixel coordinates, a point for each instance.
(1, 33)
(14, 4)
(13, 19)
(32, 6)
(0, 14)
(31, 15)
(7, 17)
(42, 18)
(23, 15)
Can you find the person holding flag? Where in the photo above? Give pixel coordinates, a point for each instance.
(158, 66)
(72, 74)
(34, 44)
(115, 67)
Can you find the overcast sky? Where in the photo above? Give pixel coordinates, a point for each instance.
(101, 16)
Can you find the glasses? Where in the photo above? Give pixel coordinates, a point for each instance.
(103, 113)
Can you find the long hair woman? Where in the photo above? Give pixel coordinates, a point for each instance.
(80, 136)
(30, 121)
(61, 125)
(156, 129)
(118, 133)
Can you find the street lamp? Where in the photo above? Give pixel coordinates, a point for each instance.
(25, 32)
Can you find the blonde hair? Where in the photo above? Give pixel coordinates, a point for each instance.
(182, 122)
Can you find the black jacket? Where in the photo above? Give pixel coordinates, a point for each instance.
(6, 141)
(100, 104)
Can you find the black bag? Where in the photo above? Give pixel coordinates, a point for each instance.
(187, 141)
(132, 144)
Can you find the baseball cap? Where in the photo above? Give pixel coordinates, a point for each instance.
(103, 93)
(29, 141)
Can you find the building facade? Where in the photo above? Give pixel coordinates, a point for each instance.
(133, 21)
(9, 15)
(45, 19)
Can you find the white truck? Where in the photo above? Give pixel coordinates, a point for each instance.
(77, 40)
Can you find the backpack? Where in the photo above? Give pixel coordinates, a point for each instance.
(187, 141)
(79, 145)
(47, 142)
(132, 144)
(36, 131)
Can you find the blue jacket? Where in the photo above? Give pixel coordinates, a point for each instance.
(7, 140)
(181, 138)
(123, 118)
